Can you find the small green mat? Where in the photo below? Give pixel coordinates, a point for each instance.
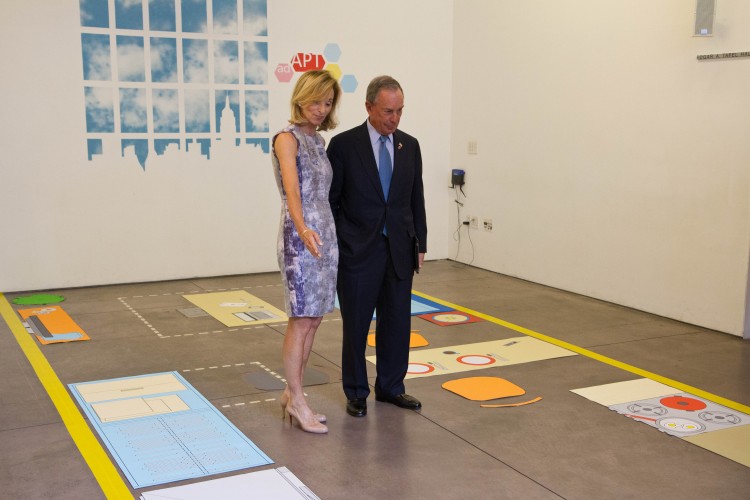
(38, 299)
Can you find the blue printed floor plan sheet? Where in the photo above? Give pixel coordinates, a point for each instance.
(419, 305)
(160, 429)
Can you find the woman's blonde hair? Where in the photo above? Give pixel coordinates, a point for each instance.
(313, 86)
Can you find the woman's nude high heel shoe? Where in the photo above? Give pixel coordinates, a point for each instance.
(284, 400)
(309, 425)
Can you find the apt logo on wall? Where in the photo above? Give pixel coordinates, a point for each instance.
(308, 61)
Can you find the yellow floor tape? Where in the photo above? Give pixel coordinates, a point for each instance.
(598, 357)
(97, 459)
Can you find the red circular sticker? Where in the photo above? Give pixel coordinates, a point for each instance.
(419, 368)
(475, 359)
(683, 403)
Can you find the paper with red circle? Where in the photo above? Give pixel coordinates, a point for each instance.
(419, 368)
(476, 360)
(683, 403)
(481, 355)
(450, 318)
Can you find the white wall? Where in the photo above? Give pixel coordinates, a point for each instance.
(612, 162)
(67, 221)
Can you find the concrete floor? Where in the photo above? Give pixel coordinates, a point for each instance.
(564, 446)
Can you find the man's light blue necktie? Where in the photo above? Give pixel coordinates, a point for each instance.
(386, 170)
(385, 166)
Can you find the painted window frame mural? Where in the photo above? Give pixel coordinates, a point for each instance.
(174, 76)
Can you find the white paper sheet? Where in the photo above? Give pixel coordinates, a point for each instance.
(271, 484)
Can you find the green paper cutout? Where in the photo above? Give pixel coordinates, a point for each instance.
(38, 299)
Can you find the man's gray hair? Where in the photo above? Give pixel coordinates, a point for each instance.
(378, 83)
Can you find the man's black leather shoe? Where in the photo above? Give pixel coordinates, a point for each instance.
(402, 401)
(356, 407)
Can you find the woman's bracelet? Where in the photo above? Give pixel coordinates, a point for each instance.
(302, 234)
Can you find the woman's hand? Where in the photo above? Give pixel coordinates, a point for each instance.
(312, 242)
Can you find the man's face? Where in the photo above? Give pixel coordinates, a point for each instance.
(385, 112)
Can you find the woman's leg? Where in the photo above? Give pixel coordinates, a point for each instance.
(300, 333)
(309, 338)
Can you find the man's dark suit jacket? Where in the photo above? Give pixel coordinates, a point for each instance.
(360, 208)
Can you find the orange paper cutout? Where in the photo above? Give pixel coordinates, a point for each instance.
(483, 388)
(58, 323)
(513, 404)
(416, 340)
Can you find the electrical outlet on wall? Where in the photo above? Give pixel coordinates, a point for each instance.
(473, 222)
(488, 225)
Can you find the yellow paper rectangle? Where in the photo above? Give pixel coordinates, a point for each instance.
(625, 392)
(237, 308)
(129, 388)
(124, 409)
(733, 443)
(466, 357)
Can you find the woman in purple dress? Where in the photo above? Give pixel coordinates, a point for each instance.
(306, 248)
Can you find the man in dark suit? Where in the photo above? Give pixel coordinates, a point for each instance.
(377, 200)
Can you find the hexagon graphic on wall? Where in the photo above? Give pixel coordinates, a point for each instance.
(284, 72)
(334, 69)
(349, 83)
(332, 52)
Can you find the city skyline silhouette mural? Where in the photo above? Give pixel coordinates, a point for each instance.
(174, 78)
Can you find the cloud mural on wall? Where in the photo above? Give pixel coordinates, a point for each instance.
(225, 16)
(197, 114)
(160, 79)
(256, 17)
(226, 67)
(256, 110)
(195, 60)
(163, 59)
(161, 15)
(94, 13)
(100, 114)
(227, 111)
(129, 14)
(133, 110)
(131, 66)
(256, 63)
(96, 57)
(166, 106)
